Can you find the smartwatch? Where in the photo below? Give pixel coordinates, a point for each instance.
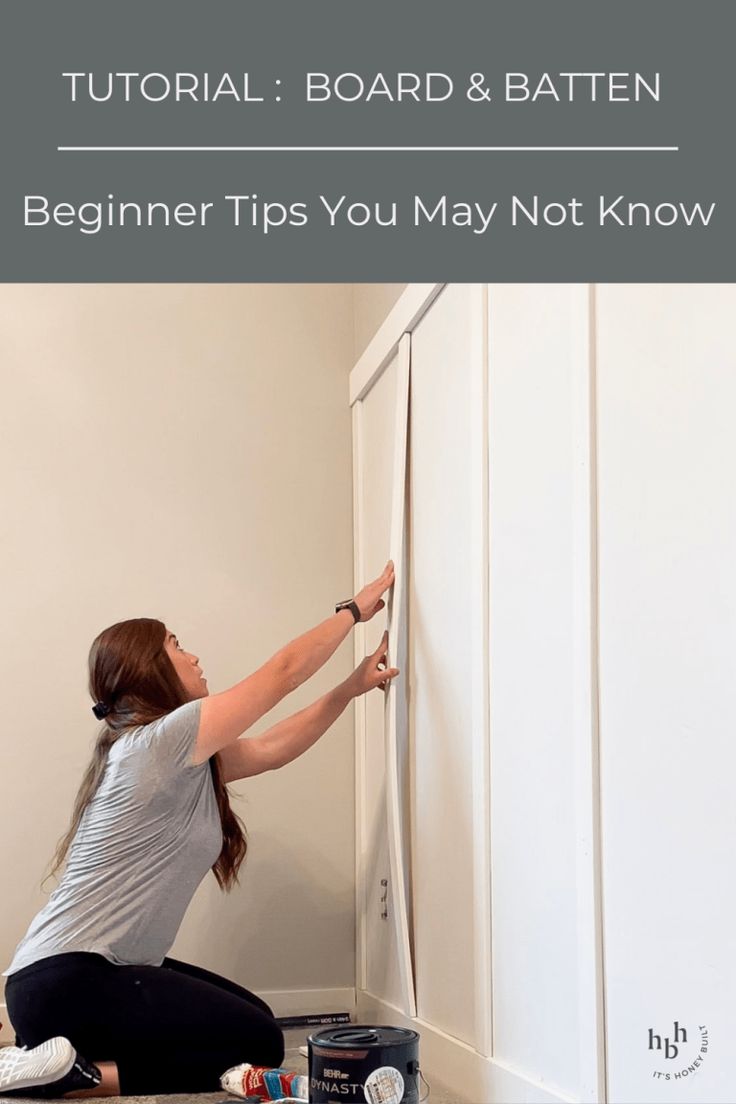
(352, 605)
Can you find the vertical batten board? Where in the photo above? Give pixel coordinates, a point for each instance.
(533, 795)
(479, 663)
(444, 594)
(396, 549)
(591, 1026)
(403, 735)
(381, 951)
(358, 653)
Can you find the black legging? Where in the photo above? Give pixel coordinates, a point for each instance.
(173, 1028)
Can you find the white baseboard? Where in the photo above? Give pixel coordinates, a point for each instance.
(451, 1065)
(284, 1002)
(305, 1002)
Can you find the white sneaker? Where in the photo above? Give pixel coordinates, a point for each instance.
(50, 1069)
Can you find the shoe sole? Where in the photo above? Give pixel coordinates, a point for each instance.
(26, 1069)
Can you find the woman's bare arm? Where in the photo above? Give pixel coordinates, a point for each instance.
(287, 740)
(291, 737)
(225, 716)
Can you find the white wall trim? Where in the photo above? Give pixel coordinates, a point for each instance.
(305, 1002)
(402, 318)
(591, 1008)
(396, 547)
(361, 904)
(450, 1064)
(480, 673)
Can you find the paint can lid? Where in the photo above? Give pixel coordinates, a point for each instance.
(350, 1036)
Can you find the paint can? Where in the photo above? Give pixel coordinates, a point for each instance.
(364, 1065)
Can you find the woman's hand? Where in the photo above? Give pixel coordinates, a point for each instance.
(369, 600)
(373, 673)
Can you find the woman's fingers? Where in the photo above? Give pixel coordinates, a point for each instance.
(391, 673)
(378, 674)
(369, 599)
(386, 577)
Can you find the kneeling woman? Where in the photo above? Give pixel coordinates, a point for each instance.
(97, 1007)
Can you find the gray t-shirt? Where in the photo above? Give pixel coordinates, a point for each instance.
(145, 842)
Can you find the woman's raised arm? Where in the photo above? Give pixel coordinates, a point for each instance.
(226, 716)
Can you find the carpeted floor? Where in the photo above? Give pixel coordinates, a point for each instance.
(294, 1061)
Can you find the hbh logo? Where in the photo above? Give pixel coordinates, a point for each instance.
(691, 1051)
(671, 1049)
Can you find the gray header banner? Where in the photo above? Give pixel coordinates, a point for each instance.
(329, 140)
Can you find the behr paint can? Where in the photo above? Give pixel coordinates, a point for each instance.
(364, 1065)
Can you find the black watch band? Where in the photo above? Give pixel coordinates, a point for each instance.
(352, 606)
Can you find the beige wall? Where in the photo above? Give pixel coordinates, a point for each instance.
(371, 303)
(182, 452)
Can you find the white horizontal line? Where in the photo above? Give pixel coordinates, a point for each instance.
(360, 149)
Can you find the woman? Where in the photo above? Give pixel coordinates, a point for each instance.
(97, 1006)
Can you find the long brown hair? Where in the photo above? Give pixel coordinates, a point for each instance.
(130, 670)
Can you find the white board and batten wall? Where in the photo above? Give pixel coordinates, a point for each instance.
(667, 535)
(563, 736)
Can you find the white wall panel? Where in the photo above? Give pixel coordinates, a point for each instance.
(533, 800)
(513, 439)
(667, 457)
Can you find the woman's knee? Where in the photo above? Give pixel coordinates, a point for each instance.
(252, 1036)
(273, 1043)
